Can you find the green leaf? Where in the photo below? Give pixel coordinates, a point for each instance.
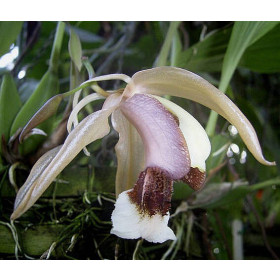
(176, 49)
(222, 194)
(219, 147)
(9, 31)
(8, 109)
(261, 29)
(206, 55)
(181, 191)
(243, 35)
(86, 35)
(165, 49)
(56, 47)
(264, 55)
(47, 87)
(75, 49)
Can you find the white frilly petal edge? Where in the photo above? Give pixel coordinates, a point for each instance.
(128, 223)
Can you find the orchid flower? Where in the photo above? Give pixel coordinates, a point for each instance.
(159, 143)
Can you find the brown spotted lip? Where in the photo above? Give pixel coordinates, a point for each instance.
(152, 192)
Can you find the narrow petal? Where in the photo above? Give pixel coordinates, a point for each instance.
(93, 127)
(182, 83)
(165, 146)
(129, 151)
(73, 118)
(24, 194)
(128, 223)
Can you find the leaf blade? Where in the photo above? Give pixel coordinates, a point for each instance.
(263, 56)
(243, 35)
(206, 55)
(8, 110)
(47, 87)
(9, 31)
(75, 49)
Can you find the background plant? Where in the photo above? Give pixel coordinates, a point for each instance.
(235, 216)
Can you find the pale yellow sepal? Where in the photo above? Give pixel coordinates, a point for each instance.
(93, 127)
(179, 82)
(129, 152)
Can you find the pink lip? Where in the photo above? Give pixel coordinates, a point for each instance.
(164, 144)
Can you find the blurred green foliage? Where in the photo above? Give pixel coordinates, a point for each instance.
(73, 216)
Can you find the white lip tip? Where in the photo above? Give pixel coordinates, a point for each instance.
(128, 223)
(169, 236)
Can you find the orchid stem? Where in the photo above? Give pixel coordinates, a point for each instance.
(211, 124)
(57, 46)
(237, 236)
(139, 243)
(89, 67)
(165, 49)
(92, 82)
